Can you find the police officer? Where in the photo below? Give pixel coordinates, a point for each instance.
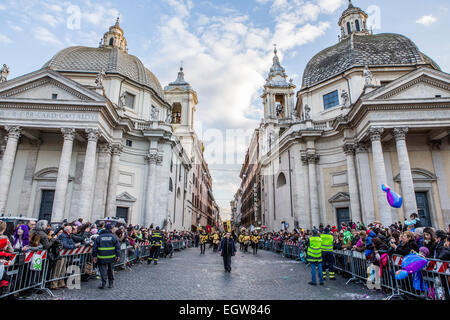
(314, 257)
(327, 253)
(156, 241)
(105, 252)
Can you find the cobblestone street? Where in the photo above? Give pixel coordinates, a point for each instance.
(189, 275)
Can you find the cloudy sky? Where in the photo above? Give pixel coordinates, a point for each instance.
(226, 47)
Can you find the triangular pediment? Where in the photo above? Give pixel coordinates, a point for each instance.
(125, 196)
(339, 197)
(46, 84)
(424, 83)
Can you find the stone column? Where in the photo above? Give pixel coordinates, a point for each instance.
(8, 164)
(380, 176)
(152, 158)
(313, 190)
(355, 207)
(3, 141)
(88, 179)
(101, 183)
(62, 179)
(113, 180)
(408, 193)
(365, 183)
(27, 183)
(307, 219)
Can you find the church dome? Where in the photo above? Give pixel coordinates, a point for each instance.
(111, 56)
(80, 59)
(385, 49)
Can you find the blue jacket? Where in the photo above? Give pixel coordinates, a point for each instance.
(369, 245)
(66, 241)
(106, 248)
(222, 247)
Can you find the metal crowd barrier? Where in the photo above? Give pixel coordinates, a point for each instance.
(20, 274)
(67, 270)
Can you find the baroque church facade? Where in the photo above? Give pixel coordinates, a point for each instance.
(93, 134)
(372, 110)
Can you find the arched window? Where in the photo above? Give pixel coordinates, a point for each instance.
(281, 181)
(176, 113)
(357, 25)
(111, 41)
(349, 28)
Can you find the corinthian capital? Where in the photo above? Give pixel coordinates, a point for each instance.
(349, 149)
(104, 148)
(375, 134)
(92, 134)
(400, 133)
(116, 148)
(313, 158)
(13, 131)
(152, 157)
(68, 133)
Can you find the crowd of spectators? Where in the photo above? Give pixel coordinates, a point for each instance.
(375, 239)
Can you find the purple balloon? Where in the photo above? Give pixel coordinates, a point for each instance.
(413, 263)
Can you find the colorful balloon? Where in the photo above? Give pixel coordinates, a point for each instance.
(413, 263)
(393, 198)
(401, 274)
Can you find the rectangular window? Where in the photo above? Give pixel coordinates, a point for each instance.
(129, 143)
(330, 100)
(54, 96)
(129, 100)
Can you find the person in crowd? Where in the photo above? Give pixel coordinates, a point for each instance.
(246, 241)
(203, 240)
(21, 239)
(440, 243)
(314, 257)
(429, 241)
(197, 239)
(7, 244)
(444, 254)
(157, 242)
(407, 245)
(327, 253)
(255, 240)
(105, 252)
(227, 249)
(360, 245)
(215, 239)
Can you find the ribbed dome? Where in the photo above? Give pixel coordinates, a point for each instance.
(385, 49)
(112, 60)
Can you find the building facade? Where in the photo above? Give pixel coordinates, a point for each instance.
(92, 134)
(372, 110)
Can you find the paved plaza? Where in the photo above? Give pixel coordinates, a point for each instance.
(189, 275)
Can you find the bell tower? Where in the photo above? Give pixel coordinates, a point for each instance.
(183, 100)
(278, 96)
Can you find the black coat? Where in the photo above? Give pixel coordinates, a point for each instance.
(229, 249)
(106, 248)
(406, 248)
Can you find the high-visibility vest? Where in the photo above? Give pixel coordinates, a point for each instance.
(327, 242)
(314, 252)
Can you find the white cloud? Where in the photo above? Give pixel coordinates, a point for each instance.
(13, 26)
(427, 20)
(4, 39)
(42, 34)
(226, 60)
